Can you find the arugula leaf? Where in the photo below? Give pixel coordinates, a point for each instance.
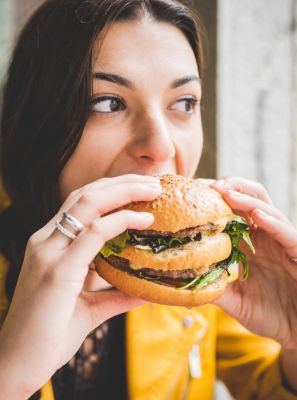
(201, 281)
(247, 239)
(115, 246)
(209, 278)
(239, 230)
(191, 283)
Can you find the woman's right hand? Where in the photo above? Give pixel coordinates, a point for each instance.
(51, 314)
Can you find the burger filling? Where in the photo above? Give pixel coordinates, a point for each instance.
(156, 242)
(182, 279)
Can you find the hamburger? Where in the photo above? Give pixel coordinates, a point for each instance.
(184, 256)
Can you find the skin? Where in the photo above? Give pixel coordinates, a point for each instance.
(154, 130)
(153, 133)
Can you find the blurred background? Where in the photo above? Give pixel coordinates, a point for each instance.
(250, 91)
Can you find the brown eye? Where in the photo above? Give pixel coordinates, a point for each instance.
(185, 105)
(107, 104)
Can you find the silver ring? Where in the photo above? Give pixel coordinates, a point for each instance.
(75, 224)
(65, 231)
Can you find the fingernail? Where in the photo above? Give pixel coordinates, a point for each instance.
(146, 215)
(220, 183)
(155, 186)
(233, 193)
(261, 213)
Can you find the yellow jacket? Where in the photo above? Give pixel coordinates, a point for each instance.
(160, 339)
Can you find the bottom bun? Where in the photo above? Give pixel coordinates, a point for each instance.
(161, 294)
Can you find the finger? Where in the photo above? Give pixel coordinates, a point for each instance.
(244, 215)
(103, 183)
(242, 185)
(81, 252)
(100, 184)
(246, 203)
(284, 234)
(95, 203)
(108, 303)
(206, 181)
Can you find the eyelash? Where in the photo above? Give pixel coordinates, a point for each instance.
(192, 101)
(189, 100)
(101, 99)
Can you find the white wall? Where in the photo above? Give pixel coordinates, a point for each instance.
(295, 120)
(5, 34)
(255, 94)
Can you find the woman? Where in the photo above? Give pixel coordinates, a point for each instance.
(100, 96)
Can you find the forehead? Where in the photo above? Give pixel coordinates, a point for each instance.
(142, 45)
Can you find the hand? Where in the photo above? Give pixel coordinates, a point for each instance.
(51, 313)
(265, 303)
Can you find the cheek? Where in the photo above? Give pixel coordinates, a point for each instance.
(188, 150)
(92, 158)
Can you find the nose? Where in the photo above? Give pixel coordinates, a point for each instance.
(151, 137)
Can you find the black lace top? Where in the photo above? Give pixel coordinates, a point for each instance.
(98, 370)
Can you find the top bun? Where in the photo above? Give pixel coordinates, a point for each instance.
(184, 203)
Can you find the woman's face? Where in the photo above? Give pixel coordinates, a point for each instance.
(145, 116)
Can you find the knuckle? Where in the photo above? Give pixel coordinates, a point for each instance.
(87, 188)
(33, 241)
(86, 199)
(38, 261)
(53, 275)
(73, 194)
(260, 188)
(95, 228)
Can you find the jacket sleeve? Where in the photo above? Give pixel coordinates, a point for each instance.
(249, 365)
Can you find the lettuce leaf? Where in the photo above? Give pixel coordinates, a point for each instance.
(168, 241)
(206, 279)
(238, 230)
(115, 246)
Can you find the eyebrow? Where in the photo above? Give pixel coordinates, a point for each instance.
(119, 80)
(105, 76)
(183, 81)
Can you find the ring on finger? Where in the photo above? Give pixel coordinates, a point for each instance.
(75, 224)
(65, 231)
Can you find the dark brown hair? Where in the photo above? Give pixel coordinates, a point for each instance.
(46, 104)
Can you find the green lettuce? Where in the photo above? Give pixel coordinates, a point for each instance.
(207, 279)
(238, 230)
(168, 241)
(115, 246)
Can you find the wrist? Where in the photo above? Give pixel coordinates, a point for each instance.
(289, 368)
(11, 385)
(13, 377)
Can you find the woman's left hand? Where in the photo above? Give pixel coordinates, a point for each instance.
(266, 302)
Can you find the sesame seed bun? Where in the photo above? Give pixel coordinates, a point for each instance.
(184, 203)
